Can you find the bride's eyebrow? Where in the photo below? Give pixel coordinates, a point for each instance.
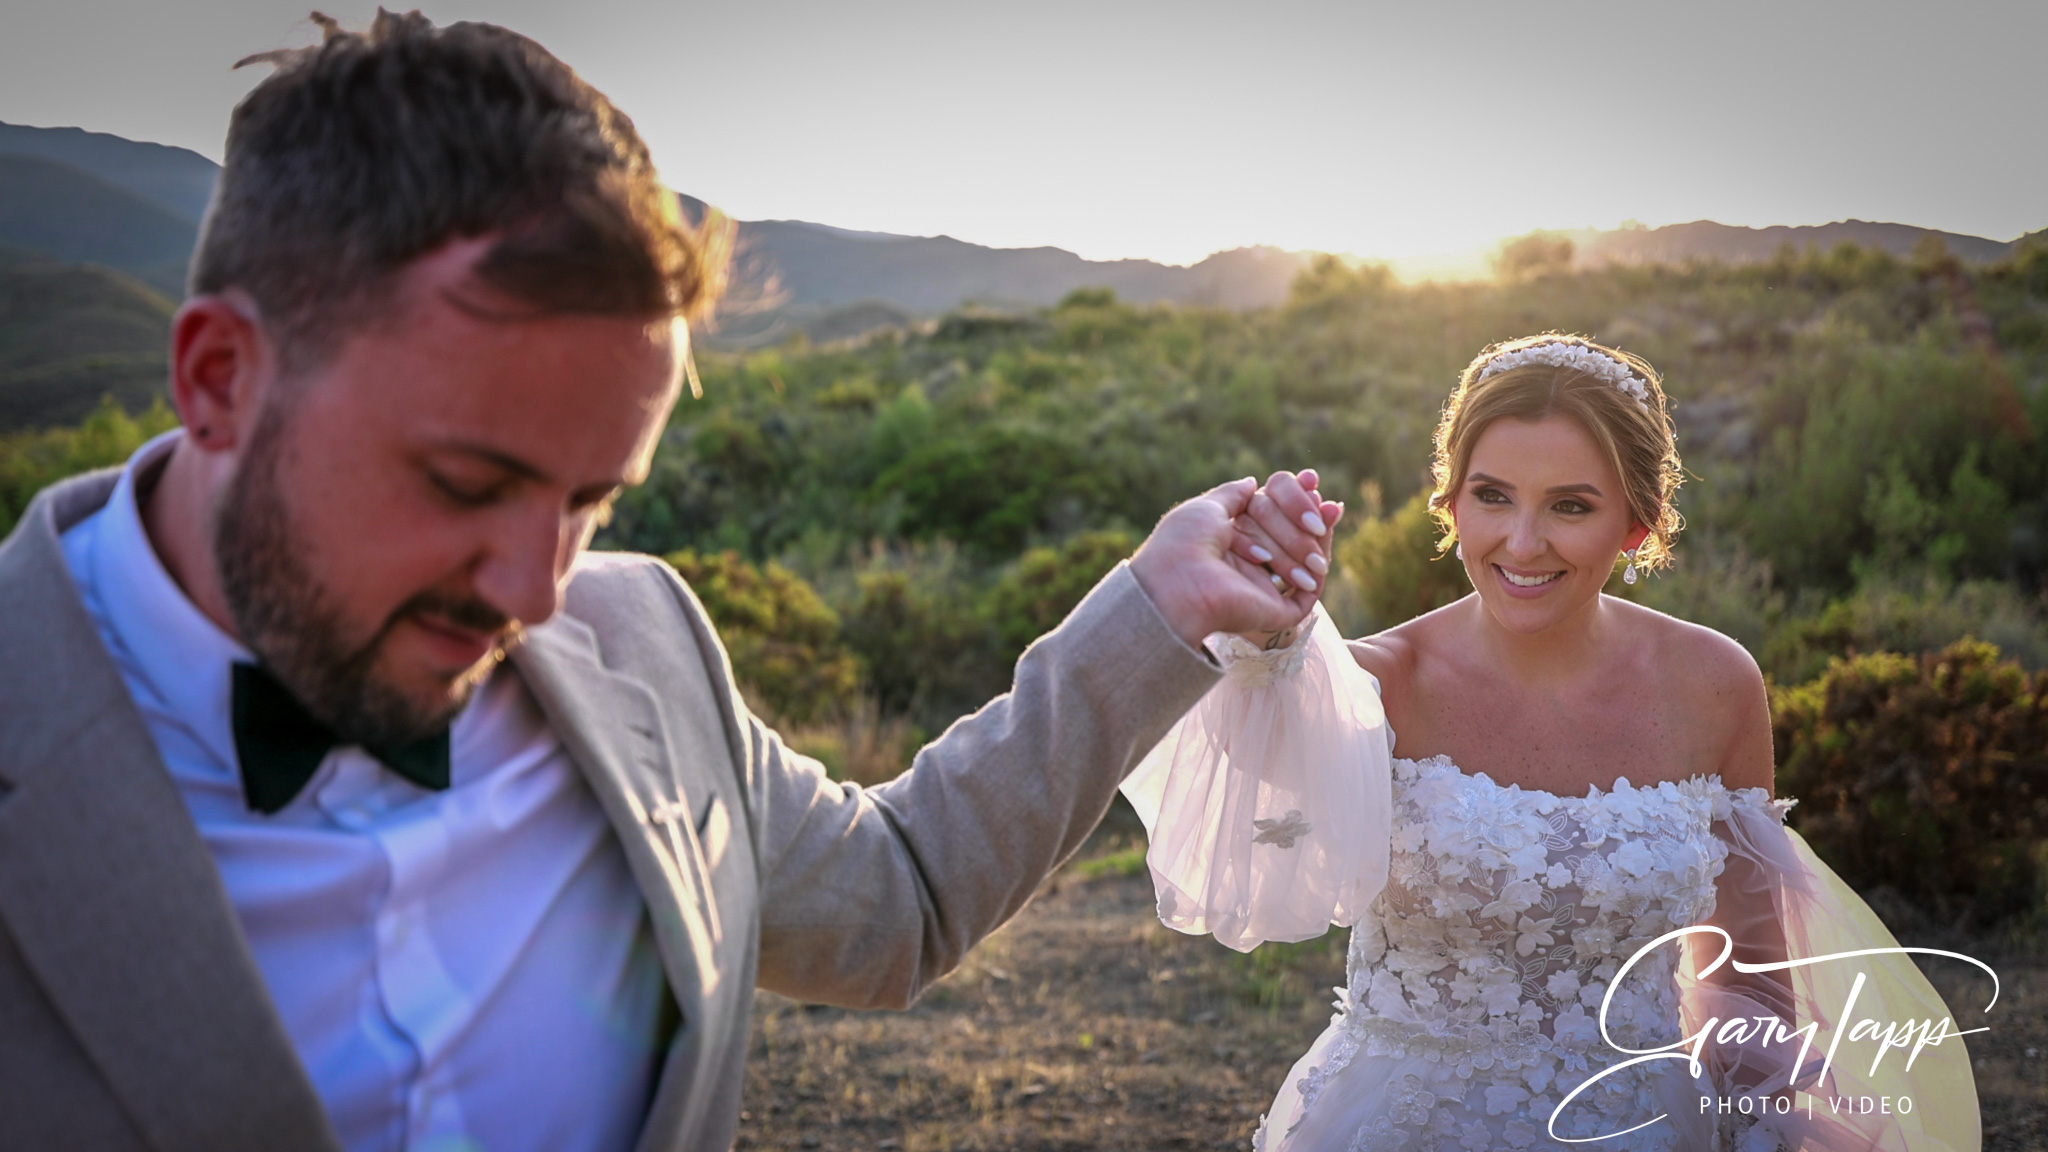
(1560, 490)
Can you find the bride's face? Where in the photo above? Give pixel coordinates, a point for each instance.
(1542, 517)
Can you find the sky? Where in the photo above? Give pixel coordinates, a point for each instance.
(1172, 130)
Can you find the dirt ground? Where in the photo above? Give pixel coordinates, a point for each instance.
(1086, 1025)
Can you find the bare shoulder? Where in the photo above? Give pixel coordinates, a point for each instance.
(1721, 685)
(1387, 655)
(1393, 657)
(1708, 659)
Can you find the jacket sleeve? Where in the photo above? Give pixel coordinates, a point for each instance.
(868, 895)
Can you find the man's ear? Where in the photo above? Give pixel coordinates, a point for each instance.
(221, 360)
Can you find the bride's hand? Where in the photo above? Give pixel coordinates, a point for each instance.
(1276, 528)
(1200, 565)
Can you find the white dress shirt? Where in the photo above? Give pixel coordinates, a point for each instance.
(463, 970)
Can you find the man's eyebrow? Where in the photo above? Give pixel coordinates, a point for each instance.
(1560, 490)
(492, 456)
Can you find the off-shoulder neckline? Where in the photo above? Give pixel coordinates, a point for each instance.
(1621, 784)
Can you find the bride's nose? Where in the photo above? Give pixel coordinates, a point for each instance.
(1525, 538)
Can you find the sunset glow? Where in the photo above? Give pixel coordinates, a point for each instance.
(1170, 131)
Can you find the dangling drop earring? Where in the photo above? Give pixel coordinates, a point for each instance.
(1461, 549)
(1628, 574)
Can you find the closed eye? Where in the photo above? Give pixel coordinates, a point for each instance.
(466, 495)
(597, 505)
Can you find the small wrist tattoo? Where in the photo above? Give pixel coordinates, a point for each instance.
(1280, 640)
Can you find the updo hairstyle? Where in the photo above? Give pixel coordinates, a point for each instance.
(1636, 435)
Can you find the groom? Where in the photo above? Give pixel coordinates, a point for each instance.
(346, 801)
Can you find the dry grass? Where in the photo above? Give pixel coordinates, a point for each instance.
(1084, 1024)
(861, 746)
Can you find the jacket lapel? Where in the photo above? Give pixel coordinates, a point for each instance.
(613, 729)
(106, 887)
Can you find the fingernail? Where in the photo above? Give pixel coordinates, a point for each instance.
(1261, 555)
(1317, 564)
(1306, 581)
(1314, 524)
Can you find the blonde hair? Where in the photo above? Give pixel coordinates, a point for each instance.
(1636, 434)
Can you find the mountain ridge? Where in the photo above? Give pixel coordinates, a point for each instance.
(177, 180)
(77, 196)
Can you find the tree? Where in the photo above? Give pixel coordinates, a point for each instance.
(1539, 253)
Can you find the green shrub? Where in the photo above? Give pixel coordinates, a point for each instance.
(1896, 616)
(926, 650)
(990, 489)
(1037, 592)
(32, 461)
(1928, 776)
(1393, 564)
(784, 641)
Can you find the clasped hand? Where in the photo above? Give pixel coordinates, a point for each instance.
(1242, 557)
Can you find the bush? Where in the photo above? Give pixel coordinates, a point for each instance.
(1036, 593)
(926, 650)
(988, 490)
(32, 461)
(784, 641)
(1928, 776)
(1536, 254)
(1393, 564)
(1898, 616)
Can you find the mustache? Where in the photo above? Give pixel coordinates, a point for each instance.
(465, 612)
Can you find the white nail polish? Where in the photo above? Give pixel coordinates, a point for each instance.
(1313, 523)
(1306, 581)
(1261, 555)
(1317, 564)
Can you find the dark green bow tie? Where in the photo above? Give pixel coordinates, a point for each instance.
(281, 745)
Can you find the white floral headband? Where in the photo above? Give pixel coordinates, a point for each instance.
(1561, 354)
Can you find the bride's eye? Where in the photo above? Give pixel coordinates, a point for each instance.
(1490, 495)
(1572, 507)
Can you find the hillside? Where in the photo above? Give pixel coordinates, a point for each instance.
(70, 335)
(91, 197)
(824, 266)
(829, 282)
(1729, 244)
(70, 215)
(174, 179)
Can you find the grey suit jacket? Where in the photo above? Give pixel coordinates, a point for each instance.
(132, 1015)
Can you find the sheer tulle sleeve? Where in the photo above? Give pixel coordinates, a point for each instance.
(1778, 902)
(1268, 804)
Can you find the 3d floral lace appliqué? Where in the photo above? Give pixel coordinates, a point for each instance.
(1477, 975)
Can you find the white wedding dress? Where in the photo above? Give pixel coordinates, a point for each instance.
(1492, 923)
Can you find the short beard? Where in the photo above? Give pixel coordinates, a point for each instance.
(287, 618)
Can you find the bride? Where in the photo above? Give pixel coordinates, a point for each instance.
(1520, 803)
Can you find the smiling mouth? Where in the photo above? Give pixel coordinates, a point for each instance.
(1527, 581)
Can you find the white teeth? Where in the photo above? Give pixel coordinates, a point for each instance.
(1529, 581)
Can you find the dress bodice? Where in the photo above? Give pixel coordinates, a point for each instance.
(1506, 915)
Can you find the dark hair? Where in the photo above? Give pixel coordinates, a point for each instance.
(365, 152)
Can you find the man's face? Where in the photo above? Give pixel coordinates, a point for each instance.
(404, 508)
